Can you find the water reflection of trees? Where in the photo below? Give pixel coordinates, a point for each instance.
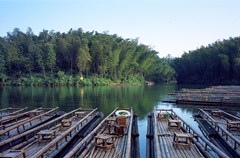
(105, 98)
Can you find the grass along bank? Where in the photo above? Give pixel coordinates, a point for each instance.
(61, 79)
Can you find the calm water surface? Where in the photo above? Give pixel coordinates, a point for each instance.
(142, 98)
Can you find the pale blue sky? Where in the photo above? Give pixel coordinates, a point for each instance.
(168, 26)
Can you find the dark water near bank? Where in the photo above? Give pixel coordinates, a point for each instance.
(142, 98)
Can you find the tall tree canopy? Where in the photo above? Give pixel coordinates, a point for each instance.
(217, 63)
(87, 53)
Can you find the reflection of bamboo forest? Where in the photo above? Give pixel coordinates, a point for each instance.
(141, 98)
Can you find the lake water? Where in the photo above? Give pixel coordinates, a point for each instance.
(141, 98)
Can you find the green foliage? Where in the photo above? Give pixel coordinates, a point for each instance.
(83, 60)
(51, 57)
(3, 79)
(60, 74)
(138, 80)
(217, 63)
(56, 59)
(33, 80)
(85, 82)
(100, 80)
(2, 62)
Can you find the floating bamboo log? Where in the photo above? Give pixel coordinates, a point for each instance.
(219, 95)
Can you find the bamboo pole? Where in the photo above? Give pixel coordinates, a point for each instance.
(36, 129)
(4, 109)
(14, 117)
(63, 135)
(13, 113)
(26, 121)
(224, 131)
(207, 142)
(84, 141)
(128, 147)
(156, 141)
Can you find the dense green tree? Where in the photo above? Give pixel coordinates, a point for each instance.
(62, 48)
(83, 60)
(2, 63)
(11, 58)
(216, 63)
(50, 57)
(36, 60)
(78, 52)
(2, 57)
(237, 68)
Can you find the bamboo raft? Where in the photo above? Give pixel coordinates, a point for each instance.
(20, 123)
(7, 113)
(169, 136)
(8, 118)
(80, 136)
(49, 141)
(111, 138)
(225, 125)
(10, 111)
(216, 95)
(27, 134)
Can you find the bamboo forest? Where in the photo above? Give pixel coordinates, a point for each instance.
(91, 58)
(78, 58)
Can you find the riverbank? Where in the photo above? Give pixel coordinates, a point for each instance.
(68, 80)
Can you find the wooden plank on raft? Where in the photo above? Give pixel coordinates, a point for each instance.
(122, 143)
(25, 124)
(32, 145)
(165, 137)
(60, 141)
(11, 114)
(14, 116)
(223, 126)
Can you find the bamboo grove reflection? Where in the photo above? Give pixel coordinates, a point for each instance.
(105, 98)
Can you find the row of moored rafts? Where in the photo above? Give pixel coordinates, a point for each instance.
(169, 136)
(46, 132)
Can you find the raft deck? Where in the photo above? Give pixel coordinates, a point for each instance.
(29, 133)
(16, 117)
(225, 125)
(107, 141)
(31, 119)
(7, 113)
(169, 136)
(81, 118)
(55, 137)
